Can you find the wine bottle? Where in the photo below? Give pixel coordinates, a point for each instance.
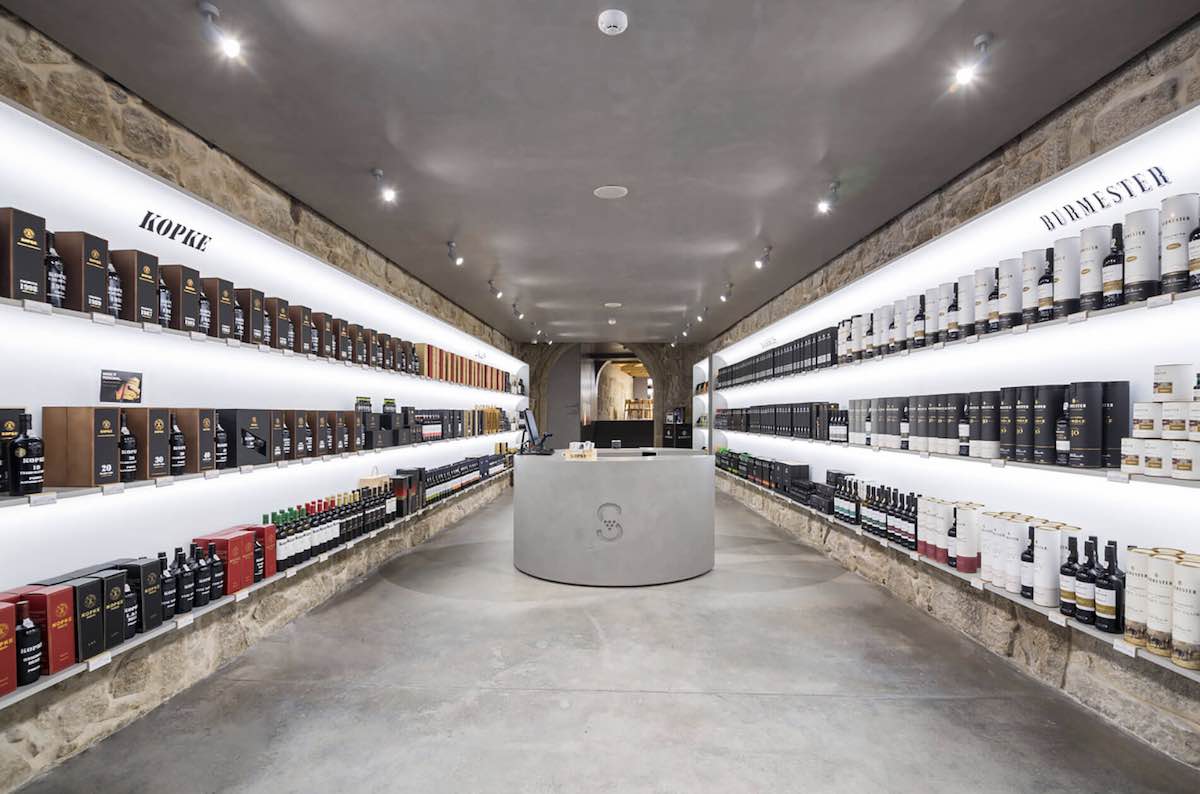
(116, 295)
(205, 314)
(1045, 290)
(132, 614)
(56, 275)
(1110, 593)
(993, 306)
(220, 447)
(1085, 585)
(953, 330)
(25, 461)
(127, 447)
(29, 647)
(239, 322)
(216, 566)
(1066, 578)
(185, 583)
(919, 325)
(1027, 568)
(165, 304)
(952, 550)
(178, 444)
(167, 585)
(203, 576)
(1194, 259)
(1114, 269)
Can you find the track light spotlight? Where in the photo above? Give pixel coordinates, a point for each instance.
(386, 192)
(826, 204)
(967, 73)
(763, 259)
(229, 45)
(499, 293)
(452, 252)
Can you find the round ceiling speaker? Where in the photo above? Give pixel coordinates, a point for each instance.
(613, 22)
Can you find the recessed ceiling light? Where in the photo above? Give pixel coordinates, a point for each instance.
(613, 305)
(613, 22)
(611, 192)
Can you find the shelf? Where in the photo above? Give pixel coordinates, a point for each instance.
(183, 621)
(1019, 330)
(54, 496)
(190, 337)
(1052, 615)
(1112, 475)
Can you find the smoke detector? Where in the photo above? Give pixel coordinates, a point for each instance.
(613, 22)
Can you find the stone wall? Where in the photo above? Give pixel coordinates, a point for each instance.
(1158, 706)
(47, 728)
(1150, 87)
(37, 73)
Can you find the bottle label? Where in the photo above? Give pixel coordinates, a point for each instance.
(56, 287)
(1026, 574)
(1066, 588)
(1194, 258)
(128, 461)
(1045, 296)
(178, 456)
(30, 655)
(1106, 602)
(205, 316)
(222, 448)
(1085, 595)
(30, 470)
(1114, 279)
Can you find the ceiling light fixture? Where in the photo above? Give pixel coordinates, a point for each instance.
(549, 341)
(499, 293)
(613, 305)
(826, 204)
(452, 252)
(386, 192)
(967, 73)
(612, 320)
(520, 315)
(229, 45)
(611, 192)
(727, 293)
(613, 22)
(764, 259)
(539, 333)
(672, 343)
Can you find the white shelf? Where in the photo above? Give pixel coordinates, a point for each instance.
(993, 462)
(48, 681)
(1073, 625)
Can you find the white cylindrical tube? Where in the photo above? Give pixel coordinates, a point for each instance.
(1185, 460)
(1033, 264)
(1185, 615)
(1010, 292)
(1160, 586)
(1147, 420)
(966, 305)
(1093, 247)
(1142, 271)
(932, 310)
(1175, 420)
(1178, 218)
(1137, 571)
(1156, 457)
(985, 279)
(913, 304)
(967, 529)
(1015, 535)
(1046, 563)
(1173, 382)
(900, 318)
(1194, 421)
(1131, 456)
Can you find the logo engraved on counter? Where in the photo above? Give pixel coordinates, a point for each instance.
(610, 528)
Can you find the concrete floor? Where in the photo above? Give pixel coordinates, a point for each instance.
(449, 671)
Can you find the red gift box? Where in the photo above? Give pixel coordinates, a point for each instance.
(8, 648)
(52, 608)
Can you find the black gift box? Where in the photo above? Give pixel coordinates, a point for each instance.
(85, 258)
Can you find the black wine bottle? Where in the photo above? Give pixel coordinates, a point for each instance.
(217, 567)
(115, 293)
(166, 305)
(178, 444)
(1027, 568)
(168, 585)
(1110, 593)
(199, 563)
(1066, 578)
(1114, 269)
(127, 446)
(1045, 290)
(1085, 585)
(220, 447)
(993, 305)
(205, 314)
(56, 275)
(29, 647)
(185, 583)
(25, 461)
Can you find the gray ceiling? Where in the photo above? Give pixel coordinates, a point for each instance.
(496, 118)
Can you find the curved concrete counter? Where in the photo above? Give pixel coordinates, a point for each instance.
(620, 520)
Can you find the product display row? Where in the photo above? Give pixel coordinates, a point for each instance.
(96, 446)
(66, 619)
(76, 271)
(1153, 251)
(1155, 606)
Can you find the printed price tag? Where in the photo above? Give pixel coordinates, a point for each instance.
(287, 351)
(343, 454)
(198, 336)
(977, 583)
(1020, 329)
(241, 595)
(905, 352)
(246, 469)
(311, 356)
(233, 342)
(283, 464)
(212, 474)
(112, 488)
(45, 498)
(264, 348)
(1077, 317)
(938, 345)
(348, 363)
(152, 328)
(37, 307)
(290, 573)
(323, 557)
(98, 661)
(1117, 476)
(1123, 647)
(101, 318)
(1160, 300)
(164, 482)
(184, 620)
(307, 461)
(998, 462)
(912, 555)
(970, 340)
(924, 453)
(1058, 619)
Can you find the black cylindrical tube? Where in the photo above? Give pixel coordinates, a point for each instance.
(1086, 419)
(1023, 422)
(989, 424)
(957, 427)
(921, 423)
(1047, 408)
(1007, 422)
(1116, 420)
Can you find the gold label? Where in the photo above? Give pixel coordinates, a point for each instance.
(28, 239)
(115, 594)
(159, 425)
(1173, 246)
(60, 611)
(1182, 464)
(206, 423)
(189, 286)
(89, 601)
